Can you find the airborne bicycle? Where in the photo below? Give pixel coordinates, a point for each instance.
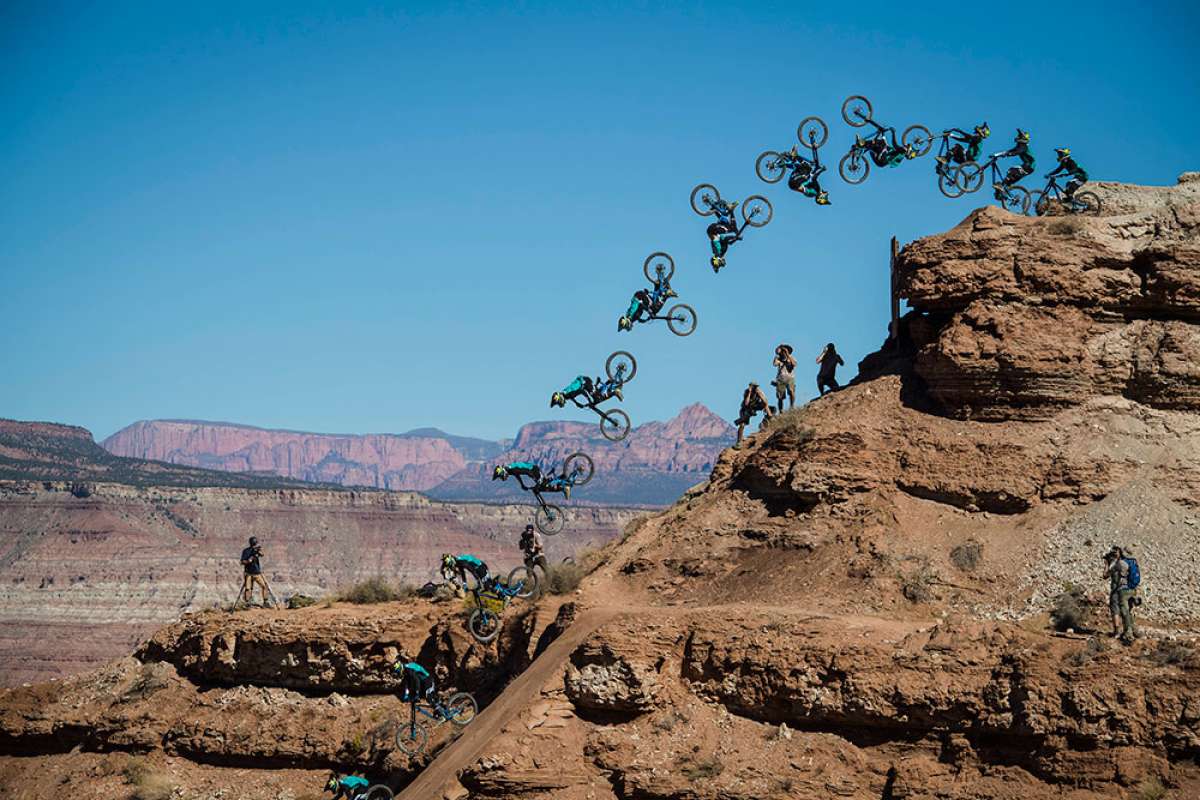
(413, 736)
(620, 367)
(971, 176)
(880, 147)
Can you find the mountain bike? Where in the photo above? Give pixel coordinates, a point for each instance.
(680, 318)
(1082, 203)
(577, 470)
(855, 166)
(490, 602)
(620, 367)
(970, 177)
(412, 736)
(946, 171)
(771, 165)
(756, 212)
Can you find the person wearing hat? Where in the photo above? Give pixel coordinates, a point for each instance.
(1116, 569)
(252, 567)
(753, 401)
(533, 550)
(826, 375)
(785, 380)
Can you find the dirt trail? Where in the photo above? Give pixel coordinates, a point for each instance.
(463, 752)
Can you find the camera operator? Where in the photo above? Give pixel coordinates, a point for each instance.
(253, 568)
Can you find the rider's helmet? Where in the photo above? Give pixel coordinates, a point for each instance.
(449, 564)
(1022, 136)
(1062, 152)
(500, 472)
(983, 131)
(331, 785)
(557, 399)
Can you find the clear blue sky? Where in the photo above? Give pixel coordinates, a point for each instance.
(383, 217)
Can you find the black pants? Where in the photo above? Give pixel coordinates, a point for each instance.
(827, 381)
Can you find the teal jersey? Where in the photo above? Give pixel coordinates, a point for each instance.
(354, 782)
(521, 465)
(468, 559)
(413, 666)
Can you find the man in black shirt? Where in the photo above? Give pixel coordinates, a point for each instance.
(253, 568)
(826, 375)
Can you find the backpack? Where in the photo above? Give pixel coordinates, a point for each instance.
(1135, 574)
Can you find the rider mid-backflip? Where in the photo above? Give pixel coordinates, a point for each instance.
(883, 153)
(967, 146)
(593, 391)
(724, 232)
(648, 301)
(1067, 166)
(541, 481)
(805, 174)
(456, 568)
(1020, 149)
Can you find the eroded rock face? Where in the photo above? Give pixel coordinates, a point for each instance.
(1032, 315)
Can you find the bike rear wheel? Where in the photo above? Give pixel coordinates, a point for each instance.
(378, 792)
(462, 708)
(527, 578)
(549, 519)
(854, 168)
(918, 138)
(650, 266)
(681, 319)
(621, 366)
(856, 110)
(1016, 200)
(1089, 202)
(768, 168)
(969, 177)
(581, 465)
(484, 625)
(614, 425)
(948, 183)
(703, 197)
(411, 738)
(812, 132)
(757, 211)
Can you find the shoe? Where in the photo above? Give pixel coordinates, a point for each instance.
(858, 141)
(567, 492)
(910, 152)
(624, 324)
(941, 159)
(823, 199)
(672, 293)
(617, 393)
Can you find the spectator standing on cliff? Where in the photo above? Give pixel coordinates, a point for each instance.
(829, 361)
(1123, 579)
(533, 550)
(252, 565)
(753, 401)
(785, 380)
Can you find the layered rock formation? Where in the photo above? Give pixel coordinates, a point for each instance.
(652, 466)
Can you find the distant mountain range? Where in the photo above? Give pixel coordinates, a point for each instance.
(656, 462)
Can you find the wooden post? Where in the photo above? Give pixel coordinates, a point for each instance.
(894, 325)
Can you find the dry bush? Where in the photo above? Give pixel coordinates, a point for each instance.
(1175, 654)
(634, 525)
(301, 601)
(1070, 610)
(1093, 648)
(967, 556)
(1151, 789)
(703, 770)
(147, 783)
(147, 683)
(917, 586)
(134, 770)
(791, 420)
(669, 720)
(564, 578)
(1065, 226)
(375, 590)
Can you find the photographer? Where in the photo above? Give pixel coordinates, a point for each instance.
(1123, 579)
(253, 572)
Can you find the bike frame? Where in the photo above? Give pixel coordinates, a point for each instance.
(1053, 190)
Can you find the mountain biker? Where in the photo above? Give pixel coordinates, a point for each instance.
(531, 547)
(785, 381)
(418, 684)
(349, 787)
(555, 483)
(647, 301)
(973, 141)
(882, 153)
(1067, 165)
(829, 361)
(804, 177)
(753, 401)
(457, 567)
(723, 232)
(518, 469)
(1020, 149)
(595, 391)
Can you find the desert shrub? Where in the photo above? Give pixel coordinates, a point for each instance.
(1174, 654)
(301, 601)
(154, 786)
(1151, 789)
(1065, 226)
(564, 578)
(669, 720)
(634, 525)
(792, 421)
(1093, 648)
(375, 590)
(702, 770)
(1069, 610)
(917, 586)
(356, 746)
(134, 770)
(149, 682)
(967, 555)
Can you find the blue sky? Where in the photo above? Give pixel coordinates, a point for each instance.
(381, 217)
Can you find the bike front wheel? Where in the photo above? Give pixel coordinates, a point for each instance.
(1040, 202)
(581, 466)
(549, 519)
(526, 578)
(681, 319)
(378, 792)
(411, 738)
(856, 110)
(621, 366)
(652, 262)
(948, 183)
(918, 138)
(461, 708)
(703, 198)
(614, 425)
(484, 625)
(1016, 200)
(1089, 203)
(768, 167)
(812, 132)
(854, 168)
(969, 177)
(757, 211)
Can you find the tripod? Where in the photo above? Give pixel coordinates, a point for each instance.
(246, 591)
